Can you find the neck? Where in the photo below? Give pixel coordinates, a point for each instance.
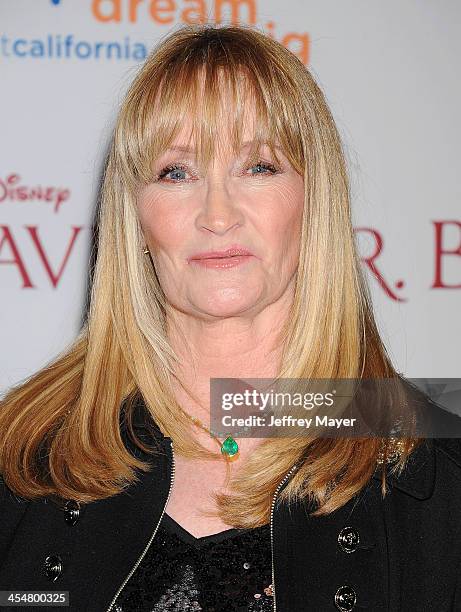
(229, 348)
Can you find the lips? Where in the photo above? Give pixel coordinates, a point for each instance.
(230, 252)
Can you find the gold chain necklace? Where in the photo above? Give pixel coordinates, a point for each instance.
(229, 446)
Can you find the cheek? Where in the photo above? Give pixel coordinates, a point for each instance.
(284, 214)
(161, 221)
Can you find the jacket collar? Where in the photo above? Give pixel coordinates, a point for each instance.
(418, 476)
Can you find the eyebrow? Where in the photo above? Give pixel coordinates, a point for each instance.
(184, 149)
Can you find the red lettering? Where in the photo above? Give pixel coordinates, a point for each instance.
(61, 196)
(10, 190)
(7, 238)
(370, 262)
(440, 252)
(33, 231)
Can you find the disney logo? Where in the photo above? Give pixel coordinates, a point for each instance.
(11, 190)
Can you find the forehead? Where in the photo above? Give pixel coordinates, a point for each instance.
(222, 128)
(179, 146)
(184, 143)
(218, 128)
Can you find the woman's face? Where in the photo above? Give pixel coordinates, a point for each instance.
(185, 211)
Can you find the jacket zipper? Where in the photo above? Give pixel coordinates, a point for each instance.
(274, 499)
(153, 535)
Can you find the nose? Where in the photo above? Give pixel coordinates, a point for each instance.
(220, 211)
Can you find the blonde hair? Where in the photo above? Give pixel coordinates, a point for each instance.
(68, 413)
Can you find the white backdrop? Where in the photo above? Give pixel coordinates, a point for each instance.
(390, 73)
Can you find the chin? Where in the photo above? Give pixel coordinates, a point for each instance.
(226, 309)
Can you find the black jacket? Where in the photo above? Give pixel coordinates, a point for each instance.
(400, 554)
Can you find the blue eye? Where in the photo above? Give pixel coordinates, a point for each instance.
(174, 168)
(264, 166)
(177, 169)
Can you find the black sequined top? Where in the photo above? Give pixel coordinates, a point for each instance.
(230, 571)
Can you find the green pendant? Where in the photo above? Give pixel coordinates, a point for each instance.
(229, 447)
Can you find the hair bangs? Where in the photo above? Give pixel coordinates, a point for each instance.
(191, 94)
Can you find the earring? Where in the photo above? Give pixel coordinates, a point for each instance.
(146, 251)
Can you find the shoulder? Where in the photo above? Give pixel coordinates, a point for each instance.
(12, 510)
(448, 450)
(10, 503)
(447, 472)
(441, 450)
(433, 469)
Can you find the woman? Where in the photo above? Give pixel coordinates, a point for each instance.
(115, 488)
